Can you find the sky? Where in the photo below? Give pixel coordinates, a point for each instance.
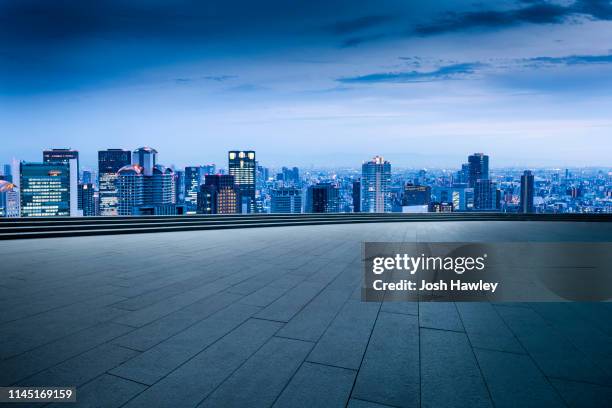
(310, 83)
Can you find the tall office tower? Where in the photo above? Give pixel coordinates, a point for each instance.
(478, 168)
(88, 177)
(109, 163)
(145, 187)
(416, 195)
(286, 200)
(462, 177)
(62, 156)
(290, 176)
(218, 195)
(486, 195)
(209, 169)
(375, 186)
(461, 198)
(526, 201)
(87, 200)
(9, 205)
(356, 196)
(7, 172)
(194, 178)
(242, 166)
(130, 189)
(179, 183)
(323, 198)
(48, 189)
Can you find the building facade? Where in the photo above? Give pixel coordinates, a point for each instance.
(109, 163)
(62, 156)
(218, 195)
(527, 192)
(286, 200)
(242, 165)
(478, 168)
(48, 189)
(323, 198)
(9, 203)
(375, 186)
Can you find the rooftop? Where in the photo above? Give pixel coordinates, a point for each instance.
(273, 316)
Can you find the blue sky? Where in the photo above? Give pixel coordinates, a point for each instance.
(324, 83)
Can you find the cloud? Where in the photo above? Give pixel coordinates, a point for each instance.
(535, 12)
(573, 60)
(441, 73)
(354, 41)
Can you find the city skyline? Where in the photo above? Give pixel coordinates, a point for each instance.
(322, 84)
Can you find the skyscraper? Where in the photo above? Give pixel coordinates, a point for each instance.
(62, 156)
(179, 184)
(375, 186)
(109, 163)
(48, 189)
(356, 193)
(478, 167)
(87, 199)
(486, 196)
(145, 187)
(9, 205)
(242, 165)
(194, 178)
(323, 198)
(527, 186)
(218, 195)
(287, 200)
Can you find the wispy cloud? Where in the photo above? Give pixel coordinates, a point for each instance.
(536, 12)
(573, 60)
(440, 73)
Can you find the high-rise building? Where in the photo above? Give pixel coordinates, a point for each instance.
(145, 187)
(209, 169)
(416, 195)
(87, 199)
(179, 183)
(527, 195)
(48, 189)
(242, 165)
(461, 198)
(356, 193)
(109, 163)
(7, 172)
(88, 177)
(486, 196)
(62, 156)
(375, 186)
(9, 204)
(478, 164)
(194, 178)
(218, 195)
(286, 200)
(323, 198)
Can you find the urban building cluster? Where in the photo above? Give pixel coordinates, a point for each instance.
(128, 183)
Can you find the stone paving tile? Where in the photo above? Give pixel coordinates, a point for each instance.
(553, 353)
(316, 385)
(263, 377)
(83, 368)
(439, 315)
(450, 376)
(106, 391)
(486, 329)
(390, 370)
(155, 363)
(148, 336)
(288, 305)
(33, 361)
(515, 381)
(357, 403)
(197, 378)
(344, 343)
(583, 395)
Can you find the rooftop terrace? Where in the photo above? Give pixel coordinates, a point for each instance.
(264, 317)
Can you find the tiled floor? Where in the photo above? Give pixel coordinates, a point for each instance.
(273, 317)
